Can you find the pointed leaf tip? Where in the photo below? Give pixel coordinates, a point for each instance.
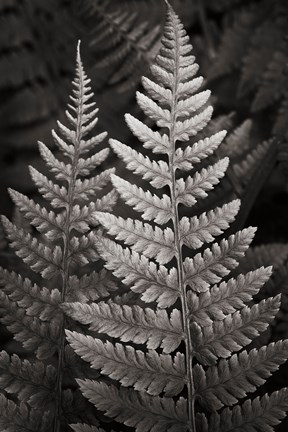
(78, 50)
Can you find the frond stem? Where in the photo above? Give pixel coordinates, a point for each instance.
(178, 248)
(66, 258)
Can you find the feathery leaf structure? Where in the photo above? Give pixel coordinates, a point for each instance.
(259, 414)
(125, 42)
(250, 163)
(253, 43)
(64, 241)
(188, 300)
(21, 418)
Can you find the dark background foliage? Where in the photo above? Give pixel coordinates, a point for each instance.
(242, 49)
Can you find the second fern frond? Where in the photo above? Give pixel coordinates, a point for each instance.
(65, 242)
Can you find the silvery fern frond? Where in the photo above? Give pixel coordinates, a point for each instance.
(182, 276)
(64, 242)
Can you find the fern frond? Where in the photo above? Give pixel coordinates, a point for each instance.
(215, 263)
(159, 143)
(232, 379)
(41, 258)
(124, 42)
(32, 382)
(275, 254)
(154, 284)
(151, 205)
(274, 81)
(83, 288)
(263, 42)
(219, 301)
(185, 159)
(39, 302)
(234, 332)
(246, 167)
(31, 311)
(131, 323)
(162, 265)
(150, 371)
(253, 45)
(45, 221)
(87, 188)
(57, 195)
(82, 250)
(238, 141)
(137, 409)
(193, 188)
(259, 414)
(153, 243)
(194, 232)
(34, 334)
(106, 203)
(14, 418)
(157, 172)
(235, 40)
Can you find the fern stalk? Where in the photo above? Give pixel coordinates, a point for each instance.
(66, 239)
(178, 245)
